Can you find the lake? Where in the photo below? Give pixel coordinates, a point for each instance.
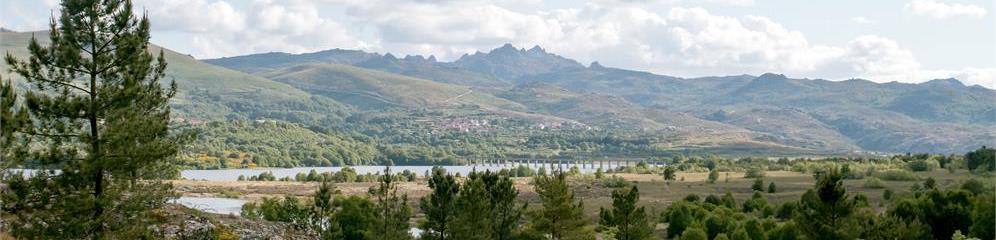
(233, 174)
(213, 204)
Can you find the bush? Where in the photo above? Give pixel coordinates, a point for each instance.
(974, 186)
(874, 183)
(897, 175)
(614, 182)
(713, 176)
(758, 185)
(920, 166)
(754, 173)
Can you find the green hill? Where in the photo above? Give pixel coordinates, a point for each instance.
(372, 89)
(209, 92)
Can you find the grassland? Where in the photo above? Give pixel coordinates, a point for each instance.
(655, 193)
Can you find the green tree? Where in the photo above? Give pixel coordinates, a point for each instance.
(983, 158)
(324, 211)
(713, 176)
(391, 212)
(825, 211)
(355, 217)
(679, 217)
(984, 217)
(758, 185)
(630, 221)
(669, 173)
(772, 188)
(438, 206)
(944, 211)
(471, 218)
(505, 213)
(561, 215)
(97, 110)
(694, 233)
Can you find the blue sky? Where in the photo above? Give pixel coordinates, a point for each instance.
(881, 40)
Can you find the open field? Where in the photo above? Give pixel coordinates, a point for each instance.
(655, 193)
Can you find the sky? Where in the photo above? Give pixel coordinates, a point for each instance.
(882, 40)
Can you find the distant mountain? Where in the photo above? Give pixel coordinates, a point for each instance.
(509, 63)
(770, 111)
(838, 116)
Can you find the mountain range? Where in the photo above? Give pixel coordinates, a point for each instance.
(769, 111)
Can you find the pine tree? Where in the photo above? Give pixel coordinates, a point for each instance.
(323, 212)
(631, 222)
(391, 211)
(825, 211)
(561, 216)
(471, 218)
(95, 102)
(505, 212)
(772, 188)
(438, 206)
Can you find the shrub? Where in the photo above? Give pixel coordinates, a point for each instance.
(897, 175)
(974, 186)
(874, 183)
(919, 166)
(754, 173)
(614, 182)
(713, 176)
(758, 185)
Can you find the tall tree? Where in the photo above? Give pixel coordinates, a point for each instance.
(505, 212)
(323, 212)
(97, 106)
(631, 222)
(438, 206)
(471, 220)
(561, 216)
(825, 211)
(391, 211)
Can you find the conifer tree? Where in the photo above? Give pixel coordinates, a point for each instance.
(438, 206)
(825, 211)
(561, 216)
(505, 212)
(96, 105)
(631, 222)
(391, 210)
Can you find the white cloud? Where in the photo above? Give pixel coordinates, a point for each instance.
(681, 41)
(220, 29)
(863, 20)
(941, 10)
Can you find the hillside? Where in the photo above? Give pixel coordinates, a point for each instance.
(414, 66)
(839, 116)
(209, 92)
(371, 89)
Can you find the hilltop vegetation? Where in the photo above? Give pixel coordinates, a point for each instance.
(241, 144)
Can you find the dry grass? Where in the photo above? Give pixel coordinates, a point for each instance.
(654, 192)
